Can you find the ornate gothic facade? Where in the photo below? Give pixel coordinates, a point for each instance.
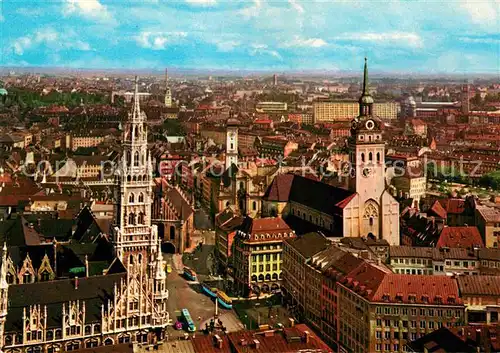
(124, 301)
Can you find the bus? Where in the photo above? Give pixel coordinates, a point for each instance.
(188, 320)
(190, 274)
(224, 300)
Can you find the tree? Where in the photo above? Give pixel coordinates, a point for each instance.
(476, 100)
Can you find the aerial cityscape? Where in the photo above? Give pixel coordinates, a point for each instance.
(208, 176)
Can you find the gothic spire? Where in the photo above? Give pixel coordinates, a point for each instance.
(3, 268)
(137, 108)
(366, 100)
(365, 79)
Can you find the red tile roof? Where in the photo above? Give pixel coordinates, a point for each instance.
(378, 284)
(454, 206)
(479, 285)
(290, 340)
(279, 190)
(438, 210)
(460, 237)
(268, 227)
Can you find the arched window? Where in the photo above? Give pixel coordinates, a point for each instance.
(108, 341)
(131, 260)
(261, 277)
(362, 157)
(371, 221)
(136, 132)
(370, 156)
(45, 276)
(268, 277)
(254, 278)
(141, 218)
(27, 277)
(141, 197)
(139, 258)
(129, 178)
(136, 159)
(370, 138)
(254, 205)
(378, 157)
(10, 278)
(131, 197)
(131, 219)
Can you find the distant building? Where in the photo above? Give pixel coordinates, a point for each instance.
(271, 107)
(348, 110)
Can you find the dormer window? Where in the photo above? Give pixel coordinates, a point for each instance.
(412, 298)
(451, 300)
(385, 297)
(425, 298)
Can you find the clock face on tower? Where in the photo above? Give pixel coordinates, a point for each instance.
(367, 172)
(370, 124)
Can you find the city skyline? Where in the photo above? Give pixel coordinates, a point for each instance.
(398, 36)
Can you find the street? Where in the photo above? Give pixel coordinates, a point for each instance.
(185, 294)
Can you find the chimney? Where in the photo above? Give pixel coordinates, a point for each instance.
(307, 336)
(256, 343)
(76, 282)
(218, 341)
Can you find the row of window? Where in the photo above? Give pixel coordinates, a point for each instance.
(267, 277)
(260, 257)
(414, 312)
(275, 267)
(131, 197)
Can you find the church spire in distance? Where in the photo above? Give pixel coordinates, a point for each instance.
(366, 100)
(365, 78)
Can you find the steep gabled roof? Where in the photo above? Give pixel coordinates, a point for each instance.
(460, 237)
(306, 191)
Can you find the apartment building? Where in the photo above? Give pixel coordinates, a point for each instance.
(257, 255)
(348, 110)
(481, 296)
(488, 223)
(271, 107)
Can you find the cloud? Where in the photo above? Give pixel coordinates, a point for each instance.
(262, 49)
(482, 12)
(480, 40)
(158, 40)
(50, 38)
(227, 45)
(202, 2)
(296, 6)
(306, 42)
(388, 38)
(91, 9)
(251, 11)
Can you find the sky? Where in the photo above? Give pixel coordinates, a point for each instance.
(400, 36)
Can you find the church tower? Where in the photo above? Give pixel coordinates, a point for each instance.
(367, 148)
(168, 92)
(134, 239)
(378, 210)
(232, 142)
